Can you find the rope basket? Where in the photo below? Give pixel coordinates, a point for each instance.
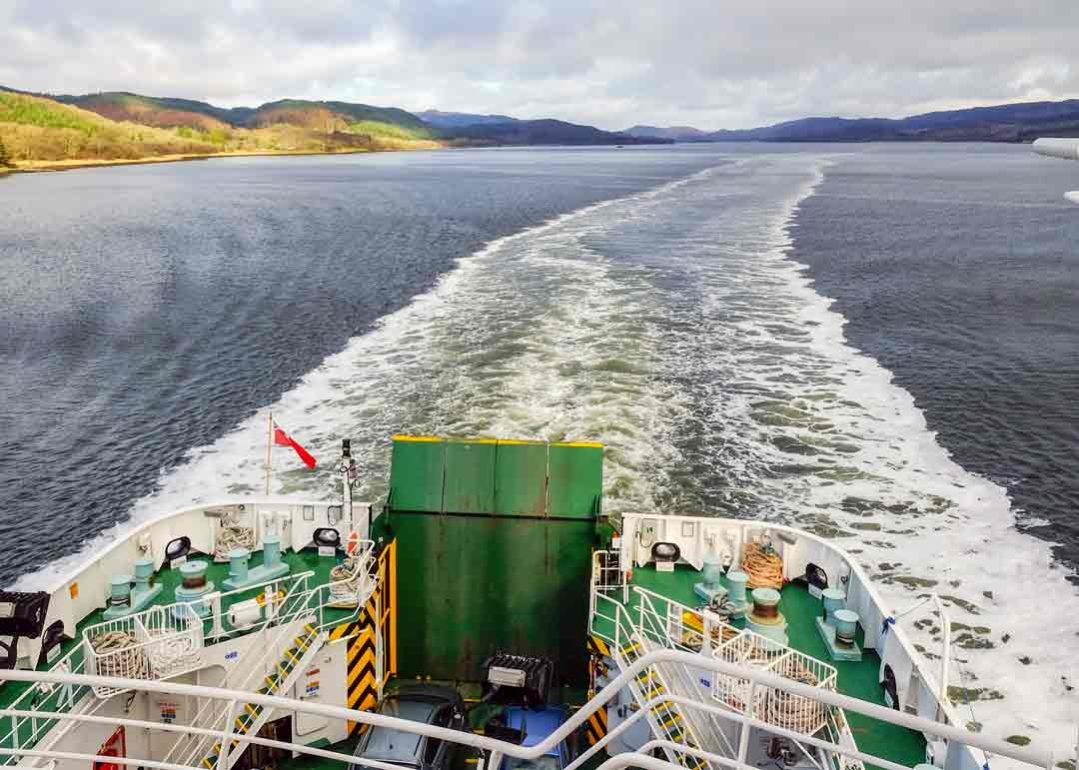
(118, 654)
(794, 712)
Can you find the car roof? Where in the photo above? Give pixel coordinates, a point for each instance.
(536, 724)
(392, 745)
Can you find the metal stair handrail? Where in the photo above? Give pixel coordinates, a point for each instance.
(1025, 755)
(207, 712)
(255, 671)
(659, 728)
(75, 662)
(669, 630)
(227, 757)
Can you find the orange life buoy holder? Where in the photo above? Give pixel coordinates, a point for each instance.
(353, 543)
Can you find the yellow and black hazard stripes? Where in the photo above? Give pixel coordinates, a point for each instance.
(362, 673)
(596, 726)
(597, 646)
(599, 651)
(372, 638)
(388, 573)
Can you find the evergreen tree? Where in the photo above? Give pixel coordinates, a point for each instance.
(4, 160)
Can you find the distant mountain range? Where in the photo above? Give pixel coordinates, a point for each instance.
(330, 117)
(470, 128)
(50, 131)
(1003, 123)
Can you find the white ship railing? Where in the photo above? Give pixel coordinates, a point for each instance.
(166, 641)
(270, 595)
(664, 622)
(746, 721)
(45, 698)
(747, 649)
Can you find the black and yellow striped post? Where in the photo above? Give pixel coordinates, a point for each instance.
(596, 726)
(597, 646)
(362, 669)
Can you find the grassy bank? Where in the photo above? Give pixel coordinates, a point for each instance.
(41, 134)
(70, 165)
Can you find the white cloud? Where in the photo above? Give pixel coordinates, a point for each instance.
(710, 63)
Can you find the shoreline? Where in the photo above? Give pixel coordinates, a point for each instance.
(47, 166)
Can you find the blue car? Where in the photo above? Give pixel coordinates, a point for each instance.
(536, 726)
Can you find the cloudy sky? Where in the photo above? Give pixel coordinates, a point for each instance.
(611, 63)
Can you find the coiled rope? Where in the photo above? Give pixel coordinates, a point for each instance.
(344, 592)
(229, 538)
(794, 712)
(119, 655)
(763, 566)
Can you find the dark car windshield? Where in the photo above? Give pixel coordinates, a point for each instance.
(546, 762)
(389, 745)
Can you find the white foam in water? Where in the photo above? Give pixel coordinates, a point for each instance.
(673, 326)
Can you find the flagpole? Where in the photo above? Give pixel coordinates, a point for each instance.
(269, 455)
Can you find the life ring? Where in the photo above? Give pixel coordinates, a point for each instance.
(353, 542)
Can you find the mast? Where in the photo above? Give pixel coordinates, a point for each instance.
(348, 479)
(269, 453)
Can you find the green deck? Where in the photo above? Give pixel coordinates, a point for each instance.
(857, 679)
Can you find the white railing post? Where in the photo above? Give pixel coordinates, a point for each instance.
(218, 629)
(946, 646)
(743, 738)
(226, 737)
(709, 620)
(271, 601)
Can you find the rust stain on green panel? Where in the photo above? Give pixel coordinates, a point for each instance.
(416, 473)
(469, 485)
(575, 479)
(521, 478)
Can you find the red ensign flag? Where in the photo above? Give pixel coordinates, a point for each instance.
(283, 439)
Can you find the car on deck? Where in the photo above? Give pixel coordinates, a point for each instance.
(428, 704)
(535, 725)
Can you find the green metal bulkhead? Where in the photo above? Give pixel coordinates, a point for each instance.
(494, 546)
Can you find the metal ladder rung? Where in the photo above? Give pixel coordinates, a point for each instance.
(672, 720)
